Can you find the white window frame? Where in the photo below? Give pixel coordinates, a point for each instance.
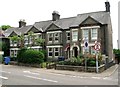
(76, 35)
(56, 37)
(83, 34)
(50, 51)
(68, 36)
(94, 38)
(56, 51)
(49, 37)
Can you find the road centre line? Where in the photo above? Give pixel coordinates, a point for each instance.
(41, 78)
(3, 77)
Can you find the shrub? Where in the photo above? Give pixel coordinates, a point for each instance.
(31, 57)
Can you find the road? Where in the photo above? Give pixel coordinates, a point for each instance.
(20, 75)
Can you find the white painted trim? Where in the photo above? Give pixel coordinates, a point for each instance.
(54, 32)
(90, 44)
(35, 47)
(54, 46)
(74, 29)
(90, 27)
(14, 49)
(37, 34)
(91, 35)
(67, 31)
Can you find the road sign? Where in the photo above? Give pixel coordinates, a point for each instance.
(86, 43)
(97, 46)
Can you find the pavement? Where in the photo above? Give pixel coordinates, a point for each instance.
(105, 73)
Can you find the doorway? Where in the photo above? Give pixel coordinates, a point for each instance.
(75, 51)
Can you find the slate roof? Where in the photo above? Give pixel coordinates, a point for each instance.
(102, 17)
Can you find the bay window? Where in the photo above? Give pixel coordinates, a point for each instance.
(94, 34)
(50, 52)
(75, 35)
(85, 33)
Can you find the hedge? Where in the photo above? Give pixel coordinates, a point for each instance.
(30, 56)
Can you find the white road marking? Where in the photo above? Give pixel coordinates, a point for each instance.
(5, 72)
(96, 77)
(31, 72)
(41, 78)
(3, 77)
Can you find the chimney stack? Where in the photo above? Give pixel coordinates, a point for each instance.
(22, 23)
(107, 5)
(55, 16)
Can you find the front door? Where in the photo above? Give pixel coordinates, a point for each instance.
(75, 52)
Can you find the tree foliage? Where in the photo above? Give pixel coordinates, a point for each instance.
(116, 51)
(4, 27)
(30, 56)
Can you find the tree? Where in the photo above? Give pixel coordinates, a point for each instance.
(4, 27)
(14, 39)
(40, 41)
(30, 36)
(21, 41)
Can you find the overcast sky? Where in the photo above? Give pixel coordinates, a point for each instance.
(41, 10)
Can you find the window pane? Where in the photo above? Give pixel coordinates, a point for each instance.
(50, 49)
(50, 53)
(68, 38)
(56, 49)
(94, 33)
(75, 35)
(85, 33)
(68, 34)
(50, 36)
(56, 54)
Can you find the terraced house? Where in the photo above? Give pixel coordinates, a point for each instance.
(65, 36)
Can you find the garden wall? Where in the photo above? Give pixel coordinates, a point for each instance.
(79, 68)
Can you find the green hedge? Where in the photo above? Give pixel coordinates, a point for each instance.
(30, 56)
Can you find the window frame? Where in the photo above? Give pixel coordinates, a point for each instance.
(56, 52)
(50, 51)
(50, 41)
(96, 34)
(68, 36)
(76, 35)
(85, 35)
(56, 37)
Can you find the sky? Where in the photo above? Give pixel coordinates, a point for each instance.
(41, 10)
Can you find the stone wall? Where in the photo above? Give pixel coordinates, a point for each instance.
(80, 68)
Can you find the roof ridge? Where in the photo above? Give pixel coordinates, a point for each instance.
(92, 12)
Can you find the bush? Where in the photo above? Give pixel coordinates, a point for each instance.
(30, 56)
(72, 61)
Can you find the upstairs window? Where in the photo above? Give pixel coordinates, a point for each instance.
(26, 40)
(94, 34)
(68, 36)
(50, 37)
(75, 35)
(85, 33)
(56, 37)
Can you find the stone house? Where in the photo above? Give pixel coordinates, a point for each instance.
(66, 36)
